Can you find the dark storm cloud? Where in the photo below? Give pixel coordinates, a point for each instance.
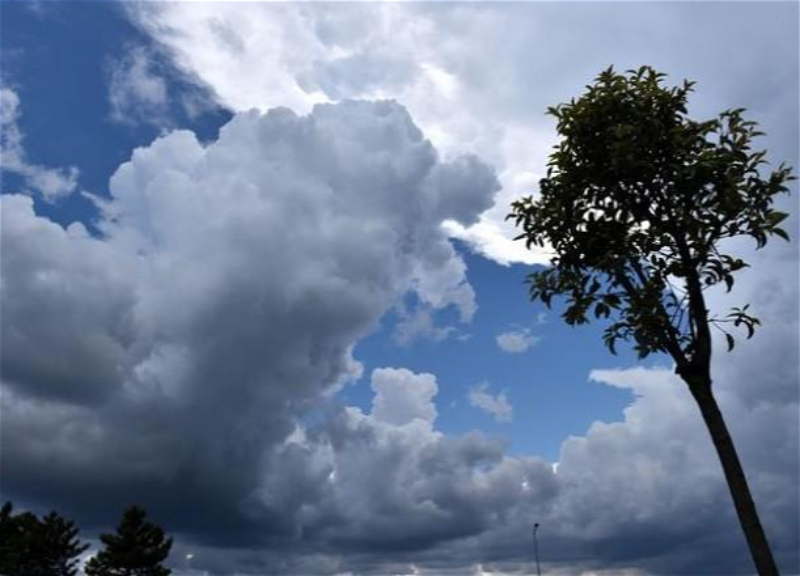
(373, 492)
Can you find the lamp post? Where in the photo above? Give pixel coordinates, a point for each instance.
(536, 549)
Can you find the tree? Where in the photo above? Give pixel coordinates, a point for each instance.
(56, 547)
(638, 204)
(33, 547)
(137, 549)
(10, 540)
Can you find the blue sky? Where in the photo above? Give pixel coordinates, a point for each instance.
(64, 83)
(270, 297)
(548, 384)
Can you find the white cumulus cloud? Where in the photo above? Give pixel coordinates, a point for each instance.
(261, 55)
(402, 396)
(223, 298)
(516, 341)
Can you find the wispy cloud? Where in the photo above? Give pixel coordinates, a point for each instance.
(421, 324)
(136, 91)
(498, 405)
(51, 183)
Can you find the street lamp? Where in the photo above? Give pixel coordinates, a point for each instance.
(536, 549)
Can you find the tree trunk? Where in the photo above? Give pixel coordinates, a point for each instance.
(737, 483)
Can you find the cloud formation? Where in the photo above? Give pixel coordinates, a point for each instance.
(50, 183)
(487, 97)
(516, 341)
(402, 396)
(260, 56)
(136, 91)
(384, 491)
(496, 405)
(222, 300)
(184, 370)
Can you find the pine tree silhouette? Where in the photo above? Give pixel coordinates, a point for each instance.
(136, 549)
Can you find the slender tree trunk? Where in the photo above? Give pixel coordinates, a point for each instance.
(737, 482)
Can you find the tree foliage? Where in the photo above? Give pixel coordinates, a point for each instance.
(136, 549)
(30, 546)
(637, 204)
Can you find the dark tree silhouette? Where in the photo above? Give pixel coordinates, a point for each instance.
(11, 542)
(637, 204)
(136, 549)
(33, 547)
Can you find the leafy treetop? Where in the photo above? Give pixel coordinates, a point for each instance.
(636, 204)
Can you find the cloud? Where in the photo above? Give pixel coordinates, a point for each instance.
(516, 341)
(378, 492)
(641, 496)
(49, 272)
(259, 56)
(144, 87)
(486, 97)
(384, 491)
(402, 396)
(390, 488)
(220, 302)
(497, 406)
(51, 183)
(420, 324)
(136, 91)
(496, 242)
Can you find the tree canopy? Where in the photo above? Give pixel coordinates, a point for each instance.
(637, 203)
(30, 546)
(136, 549)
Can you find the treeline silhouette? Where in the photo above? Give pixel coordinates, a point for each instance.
(50, 546)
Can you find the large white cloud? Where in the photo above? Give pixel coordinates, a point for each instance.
(402, 396)
(377, 492)
(477, 77)
(296, 55)
(229, 285)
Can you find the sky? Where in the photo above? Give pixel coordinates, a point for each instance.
(257, 277)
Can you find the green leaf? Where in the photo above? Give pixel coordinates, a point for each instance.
(774, 217)
(780, 233)
(728, 282)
